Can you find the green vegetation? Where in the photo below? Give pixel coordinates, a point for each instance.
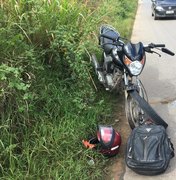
(48, 103)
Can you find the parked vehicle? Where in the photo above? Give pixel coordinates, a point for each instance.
(120, 67)
(163, 8)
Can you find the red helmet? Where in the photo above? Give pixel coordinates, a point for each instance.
(107, 142)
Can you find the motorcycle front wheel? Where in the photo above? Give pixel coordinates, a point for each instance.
(149, 111)
(134, 114)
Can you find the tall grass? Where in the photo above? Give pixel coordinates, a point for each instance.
(48, 101)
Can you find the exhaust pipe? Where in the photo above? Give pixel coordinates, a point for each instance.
(97, 69)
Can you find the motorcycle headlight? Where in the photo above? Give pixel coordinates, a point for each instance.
(135, 67)
(159, 8)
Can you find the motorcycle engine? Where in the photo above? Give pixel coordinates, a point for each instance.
(114, 80)
(113, 75)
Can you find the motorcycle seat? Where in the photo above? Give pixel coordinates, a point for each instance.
(102, 41)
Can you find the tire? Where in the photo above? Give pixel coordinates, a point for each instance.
(155, 17)
(148, 109)
(134, 114)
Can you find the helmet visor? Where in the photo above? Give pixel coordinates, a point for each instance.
(106, 135)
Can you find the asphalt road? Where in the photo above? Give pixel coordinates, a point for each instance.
(158, 77)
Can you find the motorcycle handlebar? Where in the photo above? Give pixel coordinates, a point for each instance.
(167, 51)
(163, 49)
(147, 48)
(152, 45)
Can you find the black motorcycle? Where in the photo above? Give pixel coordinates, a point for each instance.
(120, 67)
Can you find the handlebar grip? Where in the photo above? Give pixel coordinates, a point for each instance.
(167, 51)
(159, 45)
(152, 45)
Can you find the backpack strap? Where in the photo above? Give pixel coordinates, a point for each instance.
(171, 147)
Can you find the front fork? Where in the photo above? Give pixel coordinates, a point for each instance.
(129, 85)
(126, 82)
(132, 84)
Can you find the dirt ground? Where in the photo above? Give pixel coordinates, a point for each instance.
(115, 167)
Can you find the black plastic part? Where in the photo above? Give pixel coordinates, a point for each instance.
(167, 51)
(159, 45)
(152, 45)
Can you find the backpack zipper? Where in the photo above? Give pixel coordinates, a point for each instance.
(145, 149)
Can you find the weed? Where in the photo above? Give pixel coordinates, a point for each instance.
(48, 102)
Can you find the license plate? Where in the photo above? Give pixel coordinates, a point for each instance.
(169, 12)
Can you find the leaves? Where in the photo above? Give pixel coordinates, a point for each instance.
(47, 101)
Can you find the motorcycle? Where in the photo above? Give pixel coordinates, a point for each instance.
(120, 67)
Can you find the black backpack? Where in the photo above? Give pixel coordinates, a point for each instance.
(149, 150)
